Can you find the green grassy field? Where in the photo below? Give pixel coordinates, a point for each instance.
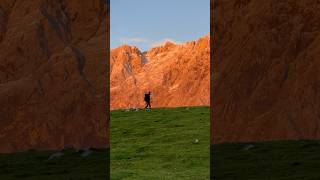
(34, 165)
(160, 144)
(275, 160)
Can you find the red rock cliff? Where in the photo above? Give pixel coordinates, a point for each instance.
(176, 75)
(266, 65)
(53, 74)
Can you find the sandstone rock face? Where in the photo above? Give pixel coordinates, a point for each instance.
(176, 75)
(53, 74)
(266, 66)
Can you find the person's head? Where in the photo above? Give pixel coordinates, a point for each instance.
(149, 92)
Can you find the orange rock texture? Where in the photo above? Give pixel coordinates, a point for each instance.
(176, 75)
(53, 74)
(266, 66)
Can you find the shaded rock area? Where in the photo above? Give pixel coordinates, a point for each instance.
(53, 74)
(176, 75)
(266, 64)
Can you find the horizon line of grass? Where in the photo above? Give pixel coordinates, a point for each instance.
(161, 107)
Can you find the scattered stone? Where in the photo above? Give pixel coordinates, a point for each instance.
(56, 155)
(248, 147)
(86, 152)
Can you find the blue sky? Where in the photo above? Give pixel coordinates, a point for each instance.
(149, 23)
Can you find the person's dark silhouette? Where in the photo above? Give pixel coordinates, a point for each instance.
(147, 99)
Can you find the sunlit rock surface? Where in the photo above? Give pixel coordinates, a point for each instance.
(53, 74)
(176, 75)
(266, 67)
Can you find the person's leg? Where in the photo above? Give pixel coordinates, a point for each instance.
(149, 104)
(146, 105)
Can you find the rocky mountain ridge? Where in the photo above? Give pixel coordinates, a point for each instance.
(176, 75)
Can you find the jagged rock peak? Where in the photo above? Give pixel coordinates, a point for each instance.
(127, 48)
(168, 72)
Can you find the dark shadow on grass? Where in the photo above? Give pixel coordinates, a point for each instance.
(35, 164)
(291, 160)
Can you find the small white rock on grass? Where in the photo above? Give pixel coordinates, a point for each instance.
(196, 141)
(86, 152)
(56, 155)
(248, 147)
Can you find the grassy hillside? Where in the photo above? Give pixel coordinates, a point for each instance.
(34, 165)
(281, 160)
(160, 144)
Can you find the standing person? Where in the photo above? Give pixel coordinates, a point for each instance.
(147, 99)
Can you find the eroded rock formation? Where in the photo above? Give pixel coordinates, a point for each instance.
(266, 65)
(176, 75)
(53, 74)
